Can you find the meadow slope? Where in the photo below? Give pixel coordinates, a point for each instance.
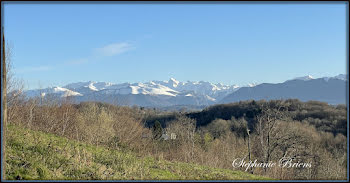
(37, 155)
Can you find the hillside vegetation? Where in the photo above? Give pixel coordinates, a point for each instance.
(309, 132)
(38, 155)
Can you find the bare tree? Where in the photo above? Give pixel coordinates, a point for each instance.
(267, 121)
(184, 128)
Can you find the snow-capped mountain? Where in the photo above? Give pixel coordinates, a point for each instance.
(212, 91)
(139, 88)
(309, 77)
(304, 78)
(86, 87)
(173, 92)
(153, 93)
(57, 91)
(340, 76)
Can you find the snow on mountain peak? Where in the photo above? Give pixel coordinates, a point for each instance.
(210, 98)
(340, 76)
(59, 89)
(252, 84)
(88, 86)
(151, 89)
(304, 78)
(172, 90)
(173, 82)
(173, 79)
(71, 93)
(64, 92)
(92, 87)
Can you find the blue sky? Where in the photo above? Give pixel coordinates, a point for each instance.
(56, 44)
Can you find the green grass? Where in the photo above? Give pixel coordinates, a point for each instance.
(37, 155)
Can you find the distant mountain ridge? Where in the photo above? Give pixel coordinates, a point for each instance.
(173, 92)
(327, 89)
(153, 93)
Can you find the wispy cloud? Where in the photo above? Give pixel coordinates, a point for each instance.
(98, 53)
(114, 49)
(32, 69)
(77, 61)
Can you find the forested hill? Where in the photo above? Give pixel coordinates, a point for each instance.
(324, 117)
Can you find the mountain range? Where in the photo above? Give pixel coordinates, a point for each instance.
(175, 93)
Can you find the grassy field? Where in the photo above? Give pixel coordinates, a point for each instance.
(37, 155)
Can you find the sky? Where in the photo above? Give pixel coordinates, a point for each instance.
(57, 44)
